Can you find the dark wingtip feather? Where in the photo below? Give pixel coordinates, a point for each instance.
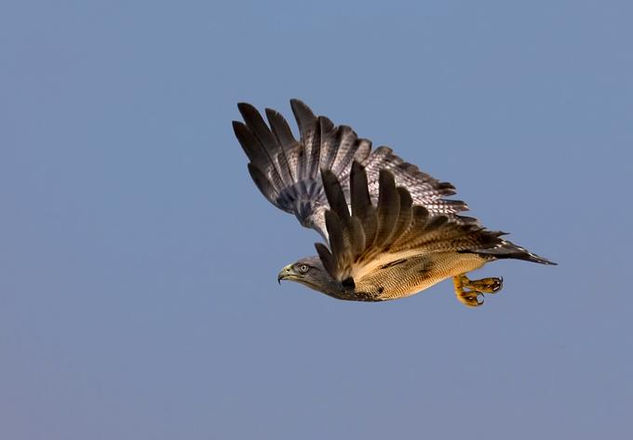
(257, 125)
(385, 178)
(335, 233)
(446, 186)
(329, 175)
(326, 258)
(300, 108)
(405, 196)
(296, 102)
(359, 191)
(245, 108)
(264, 185)
(329, 180)
(334, 193)
(249, 143)
(238, 129)
(388, 207)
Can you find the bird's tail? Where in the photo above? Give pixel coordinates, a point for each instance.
(507, 249)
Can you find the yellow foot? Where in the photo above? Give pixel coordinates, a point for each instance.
(485, 285)
(471, 293)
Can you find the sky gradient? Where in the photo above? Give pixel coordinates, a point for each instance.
(138, 262)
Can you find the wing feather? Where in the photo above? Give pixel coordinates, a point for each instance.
(404, 217)
(259, 158)
(388, 208)
(286, 140)
(262, 183)
(326, 257)
(403, 230)
(288, 170)
(267, 141)
(335, 195)
(328, 143)
(362, 209)
(310, 139)
(396, 209)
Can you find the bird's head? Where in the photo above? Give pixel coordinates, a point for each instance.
(310, 272)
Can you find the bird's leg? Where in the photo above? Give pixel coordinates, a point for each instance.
(470, 293)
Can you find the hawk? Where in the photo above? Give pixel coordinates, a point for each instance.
(390, 228)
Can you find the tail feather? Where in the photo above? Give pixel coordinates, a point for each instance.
(507, 249)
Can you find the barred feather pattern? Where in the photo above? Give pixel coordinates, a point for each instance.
(287, 171)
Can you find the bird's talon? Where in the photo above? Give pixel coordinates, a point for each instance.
(471, 292)
(471, 298)
(485, 285)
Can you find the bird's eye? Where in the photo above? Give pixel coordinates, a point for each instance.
(303, 268)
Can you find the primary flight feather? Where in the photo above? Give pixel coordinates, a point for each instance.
(390, 229)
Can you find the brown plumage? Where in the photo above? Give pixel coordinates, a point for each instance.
(391, 232)
(394, 249)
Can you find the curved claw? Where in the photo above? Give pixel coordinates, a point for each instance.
(471, 298)
(471, 292)
(486, 285)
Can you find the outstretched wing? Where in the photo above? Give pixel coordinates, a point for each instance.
(287, 171)
(395, 231)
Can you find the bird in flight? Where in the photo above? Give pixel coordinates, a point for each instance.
(390, 228)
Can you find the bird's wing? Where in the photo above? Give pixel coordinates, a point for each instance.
(287, 171)
(376, 237)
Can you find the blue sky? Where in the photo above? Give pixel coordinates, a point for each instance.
(138, 262)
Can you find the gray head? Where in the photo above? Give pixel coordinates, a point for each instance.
(310, 272)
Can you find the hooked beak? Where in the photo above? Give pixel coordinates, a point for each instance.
(286, 273)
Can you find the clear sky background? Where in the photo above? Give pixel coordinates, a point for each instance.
(138, 262)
